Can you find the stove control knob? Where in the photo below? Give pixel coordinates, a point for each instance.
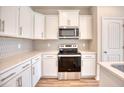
(74, 45)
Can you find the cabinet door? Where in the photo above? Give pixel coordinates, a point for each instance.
(51, 27)
(39, 26)
(63, 17)
(85, 27)
(9, 20)
(68, 18)
(88, 67)
(26, 77)
(50, 67)
(26, 22)
(73, 19)
(36, 73)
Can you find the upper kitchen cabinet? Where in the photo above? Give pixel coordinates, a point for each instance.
(39, 26)
(9, 21)
(85, 27)
(51, 27)
(68, 18)
(25, 22)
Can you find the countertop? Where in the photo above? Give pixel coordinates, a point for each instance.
(87, 52)
(107, 65)
(10, 62)
(13, 61)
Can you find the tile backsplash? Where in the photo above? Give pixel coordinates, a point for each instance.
(12, 46)
(53, 44)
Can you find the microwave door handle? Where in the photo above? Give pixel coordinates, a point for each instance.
(75, 32)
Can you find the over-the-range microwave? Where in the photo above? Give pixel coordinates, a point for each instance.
(68, 33)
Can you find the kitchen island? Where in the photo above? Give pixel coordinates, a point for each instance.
(111, 75)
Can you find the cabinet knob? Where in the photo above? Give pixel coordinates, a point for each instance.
(20, 30)
(3, 26)
(105, 52)
(0, 25)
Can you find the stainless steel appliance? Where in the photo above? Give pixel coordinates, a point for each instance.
(69, 33)
(69, 62)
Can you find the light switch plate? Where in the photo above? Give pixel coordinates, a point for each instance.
(48, 45)
(19, 46)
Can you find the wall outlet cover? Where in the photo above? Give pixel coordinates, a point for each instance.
(19, 46)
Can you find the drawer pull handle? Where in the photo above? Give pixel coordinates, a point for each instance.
(33, 70)
(88, 57)
(8, 76)
(0, 25)
(37, 59)
(19, 82)
(49, 56)
(25, 66)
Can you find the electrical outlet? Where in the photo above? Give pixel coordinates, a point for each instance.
(84, 45)
(19, 46)
(48, 45)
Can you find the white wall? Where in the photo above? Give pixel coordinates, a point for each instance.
(104, 11)
(93, 42)
(115, 11)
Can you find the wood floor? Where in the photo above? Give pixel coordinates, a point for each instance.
(68, 83)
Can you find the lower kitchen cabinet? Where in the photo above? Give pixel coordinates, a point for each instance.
(19, 76)
(23, 79)
(11, 83)
(36, 70)
(26, 78)
(50, 66)
(26, 74)
(88, 66)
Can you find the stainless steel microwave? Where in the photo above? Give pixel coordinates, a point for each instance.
(69, 33)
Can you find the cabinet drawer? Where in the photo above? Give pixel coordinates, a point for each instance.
(49, 56)
(88, 56)
(37, 59)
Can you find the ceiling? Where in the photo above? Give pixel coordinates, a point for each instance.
(54, 9)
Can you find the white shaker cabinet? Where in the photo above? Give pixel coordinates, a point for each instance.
(19, 76)
(36, 70)
(50, 66)
(26, 78)
(68, 18)
(25, 22)
(21, 80)
(9, 21)
(51, 27)
(85, 27)
(88, 65)
(39, 26)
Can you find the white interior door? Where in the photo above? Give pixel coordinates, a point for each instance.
(112, 39)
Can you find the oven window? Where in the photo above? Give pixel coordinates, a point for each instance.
(69, 64)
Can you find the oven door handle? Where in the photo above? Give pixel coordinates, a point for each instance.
(69, 55)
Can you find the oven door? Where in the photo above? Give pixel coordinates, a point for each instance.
(69, 64)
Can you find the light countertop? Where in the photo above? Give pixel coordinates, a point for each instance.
(87, 52)
(10, 62)
(107, 65)
(49, 51)
(13, 61)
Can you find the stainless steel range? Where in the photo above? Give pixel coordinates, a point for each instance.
(69, 62)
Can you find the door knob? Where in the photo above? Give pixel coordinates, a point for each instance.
(105, 52)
